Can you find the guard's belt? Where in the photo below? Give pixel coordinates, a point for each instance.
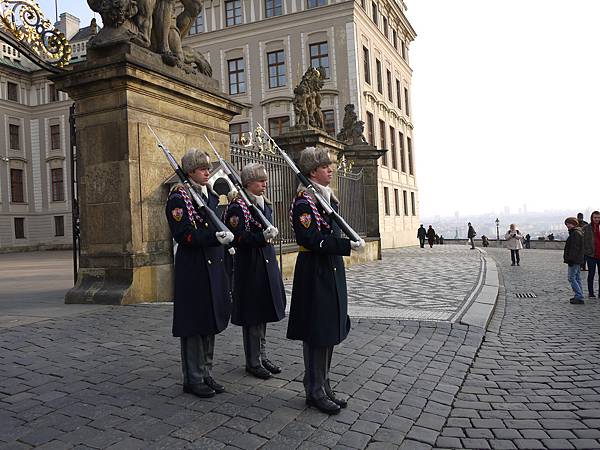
(303, 249)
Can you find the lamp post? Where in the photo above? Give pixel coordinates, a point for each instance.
(498, 230)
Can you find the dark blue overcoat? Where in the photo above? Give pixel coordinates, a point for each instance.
(202, 302)
(258, 293)
(319, 305)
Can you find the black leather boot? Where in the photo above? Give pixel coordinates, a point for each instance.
(270, 366)
(323, 404)
(199, 390)
(341, 402)
(210, 382)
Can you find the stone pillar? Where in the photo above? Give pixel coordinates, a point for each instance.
(365, 157)
(126, 246)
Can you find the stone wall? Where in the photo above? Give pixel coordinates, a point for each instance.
(541, 245)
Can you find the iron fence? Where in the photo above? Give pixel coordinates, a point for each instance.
(283, 185)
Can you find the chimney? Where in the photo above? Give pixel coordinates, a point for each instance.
(68, 24)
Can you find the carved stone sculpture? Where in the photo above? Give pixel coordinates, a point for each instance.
(152, 24)
(307, 100)
(352, 131)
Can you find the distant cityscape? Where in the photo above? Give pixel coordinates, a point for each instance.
(536, 224)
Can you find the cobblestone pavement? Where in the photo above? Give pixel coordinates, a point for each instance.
(535, 382)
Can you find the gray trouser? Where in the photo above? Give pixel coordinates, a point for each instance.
(317, 361)
(254, 344)
(197, 357)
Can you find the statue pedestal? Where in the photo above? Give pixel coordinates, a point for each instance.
(365, 157)
(126, 246)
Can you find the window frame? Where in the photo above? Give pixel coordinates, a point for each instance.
(331, 130)
(277, 65)
(274, 8)
(239, 132)
(55, 137)
(233, 19)
(411, 169)
(58, 184)
(393, 148)
(386, 200)
(383, 141)
(236, 74)
(21, 227)
(397, 202)
(319, 56)
(17, 185)
(281, 127)
(59, 226)
(10, 89)
(367, 65)
(14, 137)
(405, 202)
(370, 128)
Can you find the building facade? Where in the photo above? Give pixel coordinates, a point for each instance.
(35, 192)
(259, 50)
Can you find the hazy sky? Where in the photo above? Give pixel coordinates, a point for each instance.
(505, 102)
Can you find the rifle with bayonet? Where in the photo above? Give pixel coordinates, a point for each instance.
(212, 217)
(237, 183)
(344, 226)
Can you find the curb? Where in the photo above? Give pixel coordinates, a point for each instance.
(482, 306)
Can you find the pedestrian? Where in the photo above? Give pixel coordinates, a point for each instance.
(319, 306)
(514, 242)
(573, 256)
(437, 239)
(421, 235)
(591, 247)
(485, 241)
(201, 306)
(441, 239)
(527, 240)
(471, 235)
(258, 293)
(430, 236)
(582, 224)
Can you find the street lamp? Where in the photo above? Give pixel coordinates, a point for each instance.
(497, 229)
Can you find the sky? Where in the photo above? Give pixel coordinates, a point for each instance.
(505, 97)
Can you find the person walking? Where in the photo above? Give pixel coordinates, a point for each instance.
(471, 235)
(430, 236)
(201, 305)
(421, 235)
(582, 224)
(527, 240)
(591, 250)
(514, 242)
(258, 293)
(319, 307)
(573, 256)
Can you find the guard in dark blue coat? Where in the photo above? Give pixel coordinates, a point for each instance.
(202, 302)
(258, 293)
(319, 306)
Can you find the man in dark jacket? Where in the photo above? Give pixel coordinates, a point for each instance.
(421, 235)
(201, 306)
(258, 293)
(573, 256)
(319, 307)
(582, 224)
(591, 250)
(430, 236)
(471, 235)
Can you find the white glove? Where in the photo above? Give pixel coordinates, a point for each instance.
(270, 233)
(359, 245)
(224, 237)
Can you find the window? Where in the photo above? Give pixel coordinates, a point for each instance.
(396, 202)
(379, 82)
(198, 25)
(237, 78)
(319, 56)
(16, 186)
(386, 200)
(370, 129)
(393, 148)
(410, 156)
(19, 228)
(403, 50)
(59, 226)
(52, 93)
(402, 157)
(279, 125)
(315, 3)
(389, 85)
(362, 4)
(375, 17)
(367, 65)
(272, 8)
(55, 137)
(15, 141)
(405, 198)
(233, 12)
(329, 119)
(399, 94)
(395, 39)
(413, 203)
(237, 130)
(12, 91)
(276, 62)
(406, 108)
(385, 27)
(58, 193)
(382, 144)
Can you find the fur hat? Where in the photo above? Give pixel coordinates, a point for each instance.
(253, 172)
(572, 221)
(195, 159)
(311, 158)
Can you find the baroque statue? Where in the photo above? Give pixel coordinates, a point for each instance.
(352, 131)
(307, 99)
(153, 24)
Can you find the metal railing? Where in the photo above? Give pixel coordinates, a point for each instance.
(283, 185)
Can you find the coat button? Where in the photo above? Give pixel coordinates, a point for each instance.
(209, 261)
(334, 269)
(267, 261)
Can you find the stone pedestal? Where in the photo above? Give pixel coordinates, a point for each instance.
(296, 140)
(126, 246)
(365, 156)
